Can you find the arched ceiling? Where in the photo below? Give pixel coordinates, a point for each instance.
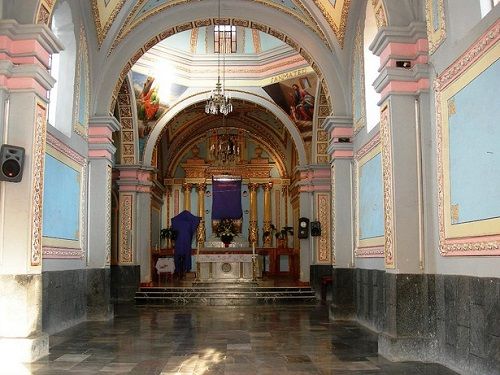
(192, 123)
(312, 14)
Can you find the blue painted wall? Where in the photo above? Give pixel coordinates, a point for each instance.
(474, 144)
(61, 200)
(371, 199)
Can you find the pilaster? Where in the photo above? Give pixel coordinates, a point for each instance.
(24, 82)
(101, 151)
(135, 189)
(402, 90)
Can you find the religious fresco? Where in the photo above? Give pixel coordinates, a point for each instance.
(296, 97)
(105, 12)
(153, 99)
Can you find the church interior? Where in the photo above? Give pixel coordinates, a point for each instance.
(328, 169)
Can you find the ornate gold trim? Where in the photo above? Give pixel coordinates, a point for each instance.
(338, 30)
(101, 30)
(323, 207)
(38, 152)
(81, 62)
(126, 228)
(435, 37)
(386, 139)
(358, 58)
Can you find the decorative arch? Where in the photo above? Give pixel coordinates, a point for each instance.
(183, 18)
(201, 97)
(268, 148)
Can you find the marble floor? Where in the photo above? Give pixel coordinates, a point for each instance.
(211, 340)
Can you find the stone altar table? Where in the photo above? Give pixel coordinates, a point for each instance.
(223, 266)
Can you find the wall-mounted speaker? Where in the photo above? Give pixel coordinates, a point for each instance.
(303, 228)
(11, 163)
(315, 228)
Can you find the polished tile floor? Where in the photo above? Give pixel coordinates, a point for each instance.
(210, 340)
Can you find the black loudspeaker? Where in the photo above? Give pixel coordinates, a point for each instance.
(315, 228)
(303, 227)
(11, 163)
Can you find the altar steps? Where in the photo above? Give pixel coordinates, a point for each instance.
(225, 295)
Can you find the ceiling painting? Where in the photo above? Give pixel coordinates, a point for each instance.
(296, 97)
(145, 9)
(335, 13)
(105, 12)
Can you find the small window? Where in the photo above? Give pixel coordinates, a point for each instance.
(225, 39)
(487, 6)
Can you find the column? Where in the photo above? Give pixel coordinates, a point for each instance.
(268, 240)
(25, 81)
(252, 228)
(186, 188)
(201, 235)
(340, 130)
(134, 250)
(404, 96)
(101, 151)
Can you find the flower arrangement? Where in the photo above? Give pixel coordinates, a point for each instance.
(226, 227)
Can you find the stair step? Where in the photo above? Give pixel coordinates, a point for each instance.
(226, 295)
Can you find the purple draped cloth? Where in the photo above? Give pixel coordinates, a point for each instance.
(185, 224)
(226, 199)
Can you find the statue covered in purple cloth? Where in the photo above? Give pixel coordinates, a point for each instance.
(185, 224)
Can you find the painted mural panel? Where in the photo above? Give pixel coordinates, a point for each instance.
(296, 97)
(371, 199)
(154, 96)
(61, 200)
(468, 142)
(474, 141)
(436, 29)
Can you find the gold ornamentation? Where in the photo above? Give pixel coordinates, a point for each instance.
(201, 233)
(127, 144)
(333, 217)
(455, 208)
(256, 41)
(82, 66)
(358, 58)
(370, 145)
(38, 152)
(452, 109)
(252, 232)
(126, 228)
(386, 139)
(380, 17)
(109, 179)
(103, 30)
(194, 39)
(44, 12)
(323, 207)
(338, 30)
(435, 37)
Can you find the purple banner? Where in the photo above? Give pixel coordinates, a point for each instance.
(226, 199)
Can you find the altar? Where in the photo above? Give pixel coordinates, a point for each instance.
(224, 265)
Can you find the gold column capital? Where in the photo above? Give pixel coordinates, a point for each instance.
(267, 186)
(202, 187)
(252, 186)
(186, 186)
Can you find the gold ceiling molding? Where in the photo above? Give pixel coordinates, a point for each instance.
(132, 21)
(104, 16)
(336, 16)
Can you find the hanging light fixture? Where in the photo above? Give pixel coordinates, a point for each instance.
(219, 102)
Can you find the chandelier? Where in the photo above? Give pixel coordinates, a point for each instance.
(219, 102)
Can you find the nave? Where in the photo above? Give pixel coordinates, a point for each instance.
(197, 340)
